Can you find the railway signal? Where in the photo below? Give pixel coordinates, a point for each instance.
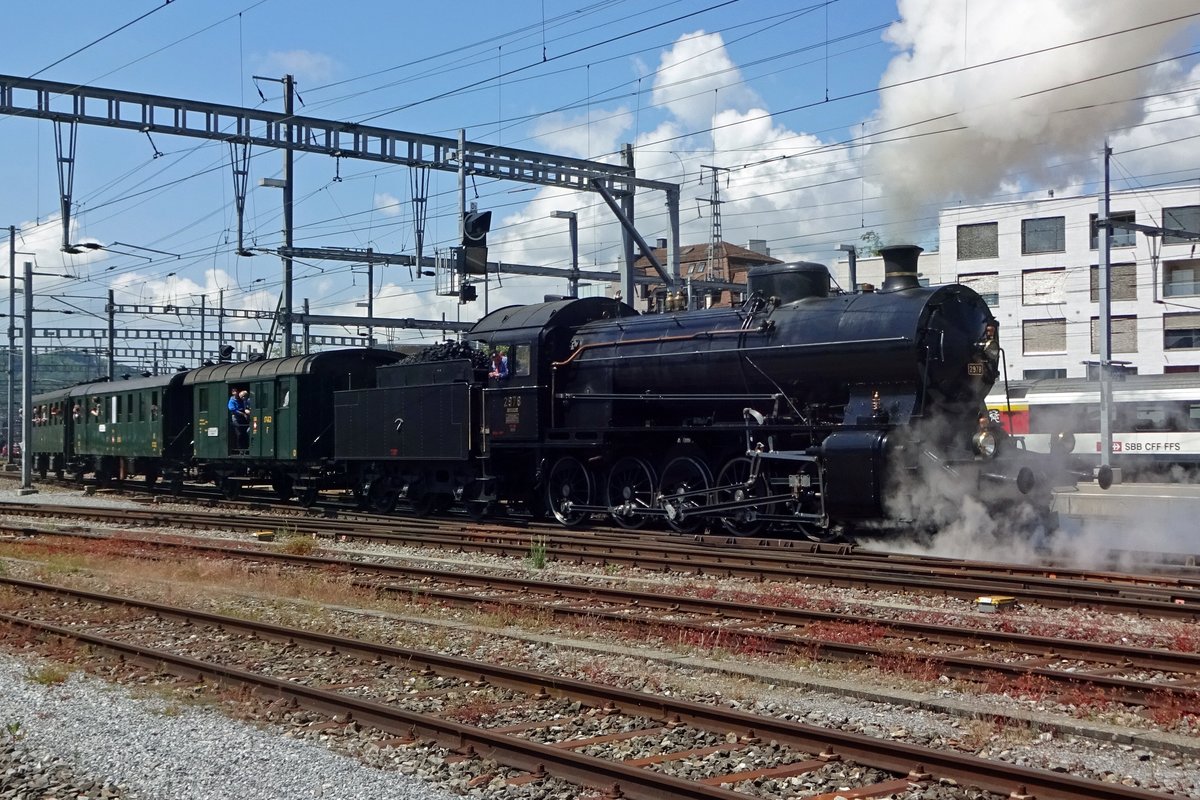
(474, 242)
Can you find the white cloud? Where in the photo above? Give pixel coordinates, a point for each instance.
(389, 205)
(696, 80)
(585, 134)
(305, 65)
(41, 243)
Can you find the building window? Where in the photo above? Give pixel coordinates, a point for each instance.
(1181, 278)
(978, 241)
(1044, 336)
(1119, 237)
(1040, 287)
(1181, 369)
(1181, 218)
(1043, 374)
(1122, 282)
(1043, 235)
(1181, 331)
(987, 284)
(1124, 334)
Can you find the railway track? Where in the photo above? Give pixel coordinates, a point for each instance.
(1154, 595)
(1122, 562)
(949, 647)
(520, 724)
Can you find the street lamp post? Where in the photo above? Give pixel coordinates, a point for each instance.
(573, 231)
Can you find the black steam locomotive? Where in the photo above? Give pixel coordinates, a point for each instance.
(801, 410)
(805, 410)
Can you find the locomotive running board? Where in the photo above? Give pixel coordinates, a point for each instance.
(717, 509)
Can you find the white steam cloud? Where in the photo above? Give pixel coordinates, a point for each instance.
(985, 96)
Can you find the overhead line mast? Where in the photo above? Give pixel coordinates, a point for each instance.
(146, 113)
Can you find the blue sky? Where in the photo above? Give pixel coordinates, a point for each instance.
(983, 100)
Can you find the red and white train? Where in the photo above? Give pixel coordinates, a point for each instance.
(1155, 420)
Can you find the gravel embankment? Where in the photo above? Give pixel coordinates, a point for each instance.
(87, 738)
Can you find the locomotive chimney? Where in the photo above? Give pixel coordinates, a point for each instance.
(900, 266)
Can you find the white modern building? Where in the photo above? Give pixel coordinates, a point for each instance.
(1037, 263)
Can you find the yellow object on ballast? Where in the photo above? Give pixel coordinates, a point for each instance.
(992, 603)
(264, 536)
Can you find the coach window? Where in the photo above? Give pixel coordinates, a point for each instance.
(1152, 417)
(1063, 417)
(1191, 420)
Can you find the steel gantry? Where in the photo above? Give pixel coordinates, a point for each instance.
(72, 104)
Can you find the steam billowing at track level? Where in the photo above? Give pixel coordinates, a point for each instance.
(801, 411)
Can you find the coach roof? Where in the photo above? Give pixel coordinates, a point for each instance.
(325, 361)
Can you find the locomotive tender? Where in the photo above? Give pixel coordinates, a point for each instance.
(802, 410)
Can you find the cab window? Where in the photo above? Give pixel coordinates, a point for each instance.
(520, 355)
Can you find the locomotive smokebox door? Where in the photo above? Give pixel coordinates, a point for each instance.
(511, 413)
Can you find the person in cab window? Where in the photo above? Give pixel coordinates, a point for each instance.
(990, 343)
(238, 421)
(499, 366)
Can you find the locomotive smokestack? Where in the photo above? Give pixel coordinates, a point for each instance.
(900, 266)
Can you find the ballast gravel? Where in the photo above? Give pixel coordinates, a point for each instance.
(84, 738)
(1022, 743)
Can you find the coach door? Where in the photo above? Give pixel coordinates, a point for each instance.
(262, 419)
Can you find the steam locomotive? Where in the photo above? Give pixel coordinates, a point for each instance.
(802, 410)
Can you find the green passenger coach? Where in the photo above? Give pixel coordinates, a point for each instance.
(287, 435)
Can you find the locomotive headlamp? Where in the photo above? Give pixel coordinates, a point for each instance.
(1063, 442)
(985, 444)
